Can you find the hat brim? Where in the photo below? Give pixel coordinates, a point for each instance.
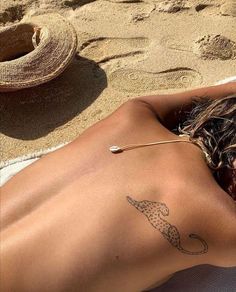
(56, 47)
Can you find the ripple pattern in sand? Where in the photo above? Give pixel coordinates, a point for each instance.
(213, 47)
(131, 80)
(105, 49)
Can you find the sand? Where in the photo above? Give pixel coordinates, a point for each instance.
(125, 49)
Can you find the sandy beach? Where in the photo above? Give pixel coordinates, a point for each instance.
(125, 49)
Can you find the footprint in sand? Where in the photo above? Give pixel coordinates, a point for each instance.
(131, 80)
(208, 47)
(228, 8)
(213, 47)
(104, 49)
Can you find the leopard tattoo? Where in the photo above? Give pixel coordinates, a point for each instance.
(153, 212)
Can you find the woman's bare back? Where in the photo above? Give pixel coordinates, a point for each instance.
(84, 219)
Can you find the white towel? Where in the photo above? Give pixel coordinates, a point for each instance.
(227, 80)
(12, 167)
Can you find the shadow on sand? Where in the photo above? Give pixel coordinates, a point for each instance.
(32, 113)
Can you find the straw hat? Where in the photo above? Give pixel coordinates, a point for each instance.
(36, 51)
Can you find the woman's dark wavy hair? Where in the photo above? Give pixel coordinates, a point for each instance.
(213, 123)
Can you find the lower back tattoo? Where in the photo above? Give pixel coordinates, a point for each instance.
(153, 210)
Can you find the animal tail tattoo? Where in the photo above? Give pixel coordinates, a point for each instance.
(153, 210)
(204, 250)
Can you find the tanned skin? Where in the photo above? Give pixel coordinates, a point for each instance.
(84, 219)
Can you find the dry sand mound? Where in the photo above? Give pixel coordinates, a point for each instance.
(171, 6)
(208, 47)
(215, 47)
(229, 8)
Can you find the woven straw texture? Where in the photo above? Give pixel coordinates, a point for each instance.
(36, 51)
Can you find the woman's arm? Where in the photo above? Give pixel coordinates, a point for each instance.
(170, 109)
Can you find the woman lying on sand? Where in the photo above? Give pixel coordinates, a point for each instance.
(85, 219)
